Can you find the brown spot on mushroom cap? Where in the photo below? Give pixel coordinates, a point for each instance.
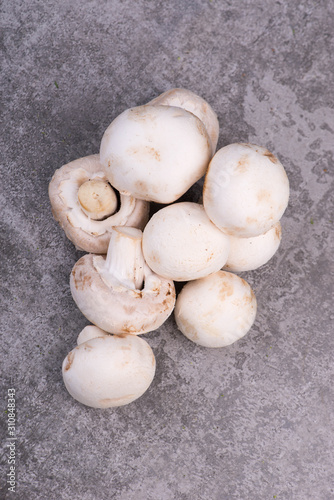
(129, 309)
(263, 195)
(225, 290)
(278, 231)
(69, 360)
(234, 230)
(155, 258)
(142, 152)
(270, 156)
(204, 107)
(81, 280)
(122, 335)
(251, 220)
(210, 257)
(248, 297)
(243, 164)
(129, 328)
(141, 186)
(87, 347)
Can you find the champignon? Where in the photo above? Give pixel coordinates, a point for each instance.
(247, 254)
(90, 332)
(181, 243)
(119, 293)
(155, 153)
(246, 190)
(185, 99)
(86, 206)
(217, 310)
(109, 371)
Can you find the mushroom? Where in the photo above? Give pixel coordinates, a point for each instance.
(155, 153)
(118, 292)
(86, 206)
(185, 99)
(247, 254)
(91, 332)
(109, 371)
(217, 310)
(246, 190)
(181, 243)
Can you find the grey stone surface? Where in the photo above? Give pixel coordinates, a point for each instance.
(253, 421)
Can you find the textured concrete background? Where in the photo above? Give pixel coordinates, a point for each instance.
(253, 421)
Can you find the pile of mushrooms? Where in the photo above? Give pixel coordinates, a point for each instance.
(124, 285)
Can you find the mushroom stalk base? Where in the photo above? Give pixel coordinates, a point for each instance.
(97, 199)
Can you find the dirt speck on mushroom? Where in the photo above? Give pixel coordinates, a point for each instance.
(270, 156)
(69, 361)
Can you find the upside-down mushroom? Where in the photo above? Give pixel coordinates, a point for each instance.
(87, 207)
(118, 292)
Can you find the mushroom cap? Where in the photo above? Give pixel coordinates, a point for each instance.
(91, 332)
(217, 310)
(87, 234)
(246, 190)
(109, 371)
(247, 254)
(181, 243)
(118, 309)
(185, 99)
(156, 153)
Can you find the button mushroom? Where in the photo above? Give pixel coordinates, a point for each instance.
(181, 243)
(183, 98)
(90, 332)
(155, 153)
(109, 371)
(217, 310)
(119, 293)
(246, 190)
(247, 254)
(86, 206)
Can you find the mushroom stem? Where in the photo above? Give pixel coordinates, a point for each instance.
(124, 264)
(97, 199)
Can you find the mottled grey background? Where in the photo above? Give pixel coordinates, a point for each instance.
(253, 421)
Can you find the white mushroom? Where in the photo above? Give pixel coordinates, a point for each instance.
(183, 98)
(246, 190)
(109, 371)
(247, 254)
(155, 153)
(181, 243)
(91, 332)
(119, 293)
(217, 310)
(86, 206)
